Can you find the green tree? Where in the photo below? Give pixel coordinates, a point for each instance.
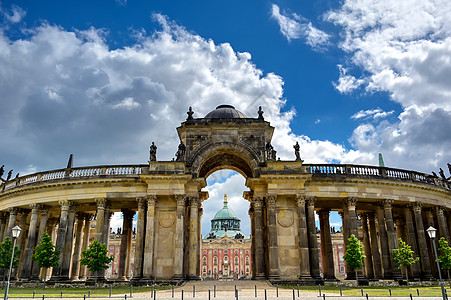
(6, 248)
(46, 254)
(354, 255)
(96, 258)
(404, 256)
(445, 254)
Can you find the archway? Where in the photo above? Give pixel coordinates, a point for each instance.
(226, 247)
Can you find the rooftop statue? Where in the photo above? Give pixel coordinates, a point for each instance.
(190, 114)
(449, 168)
(2, 170)
(180, 154)
(260, 113)
(10, 174)
(442, 174)
(153, 152)
(296, 151)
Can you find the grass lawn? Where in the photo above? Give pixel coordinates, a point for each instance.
(371, 291)
(78, 292)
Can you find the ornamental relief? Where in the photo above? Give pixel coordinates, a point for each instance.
(285, 218)
(166, 219)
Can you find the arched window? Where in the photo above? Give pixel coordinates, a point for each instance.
(205, 260)
(247, 260)
(215, 260)
(236, 260)
(226, 259)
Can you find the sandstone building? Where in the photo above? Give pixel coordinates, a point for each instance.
(283, 197)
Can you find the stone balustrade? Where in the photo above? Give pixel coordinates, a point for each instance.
(338, 170)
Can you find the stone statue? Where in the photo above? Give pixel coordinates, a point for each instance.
(434, 174)
(260, 113)
(153, 152)
(10, 174)
(449, 168)
(190, 114)
(273, 154)
(269, 150)
(442, 174)
(296, 151)
(180, 154)
(2, 170)
(17, 176)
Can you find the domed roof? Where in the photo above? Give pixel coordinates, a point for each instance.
(225, 214)
(225, 112)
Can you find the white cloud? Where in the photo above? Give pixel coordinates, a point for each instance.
(297, 27)
(372, 113)
(127, 103)
(15, 15)
(408, 59)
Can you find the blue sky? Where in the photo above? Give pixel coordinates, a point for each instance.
(102, 79)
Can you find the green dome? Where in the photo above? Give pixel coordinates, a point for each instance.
(225, 214)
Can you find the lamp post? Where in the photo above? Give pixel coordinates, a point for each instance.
(432, 232)
(15, 233)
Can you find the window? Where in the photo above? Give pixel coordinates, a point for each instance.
(236, 260)
(205, 260)
(247, 260)
(215, 260)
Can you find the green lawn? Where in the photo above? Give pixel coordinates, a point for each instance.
(371, 291)
(78, 292)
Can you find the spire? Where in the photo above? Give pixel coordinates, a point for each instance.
(381, 160)
(225, 200)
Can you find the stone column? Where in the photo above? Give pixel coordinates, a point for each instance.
(12, 220)
(127, 223)
(68, 245)
(75, 272)
(367, 247)
(31, 243)
(61, 237)
(412, 241)
(428, 212)
(193, 255)
(377, 267)
(3, 217)
(327, 253)
(139, 241)
(150, 233)
(106, 225)
(20, 240)
(349, 228)
(422, 243)
(100, 218)
(179, 237)
(442, 226)
(259, 246)
(272, 237)
(42, 229)
(351, 202)
(383, 237)
(82, 275)
(253, 241)
(313, 242)
(391, 234)
(304, 257)
(128, 263)
(51, 231)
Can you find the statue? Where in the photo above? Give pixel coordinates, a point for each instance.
(10, 173)
(190, 114)
(2, 171)
(153, 152)
(273, 154)
(442, 174)
(269, 150)
(260, 113)
(449, 168)
(296, 151)
(180, 154)
(434, 174)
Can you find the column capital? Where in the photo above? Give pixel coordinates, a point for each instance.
(23, 211)
(300, 200)
(13, 210)
(271, 201)
(101, 203)
(127, 213)
(65, 204)
(440, 209)
(141, 202)
(387, 203)
(417, 206)
(44, 209)
(311, 200)
(180, 199)
(194, 201)
(258, 202)
(350, 201)
(151, 200)
(35, 207)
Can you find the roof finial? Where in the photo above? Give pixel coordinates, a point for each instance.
(225, 200)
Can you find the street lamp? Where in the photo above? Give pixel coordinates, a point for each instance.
(15, 233)
(432, 232)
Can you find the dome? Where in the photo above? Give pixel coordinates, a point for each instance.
(225, 112)
(225, 214)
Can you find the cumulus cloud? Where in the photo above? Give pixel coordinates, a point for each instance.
(107, 105)
(408, 59)
(14, 15)
(372, 113)
(295, 26)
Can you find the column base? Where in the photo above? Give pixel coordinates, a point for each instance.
(193, 278)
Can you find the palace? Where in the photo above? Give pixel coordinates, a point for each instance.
(283, 197)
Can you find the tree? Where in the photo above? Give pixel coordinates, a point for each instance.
(404, 256)
(445, 254)
(46, 254)
(6, 248)
(354, 255)
(95, 258)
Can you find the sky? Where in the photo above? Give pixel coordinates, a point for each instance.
(103, 79)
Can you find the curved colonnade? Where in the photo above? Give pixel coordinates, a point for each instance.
(376, 204)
